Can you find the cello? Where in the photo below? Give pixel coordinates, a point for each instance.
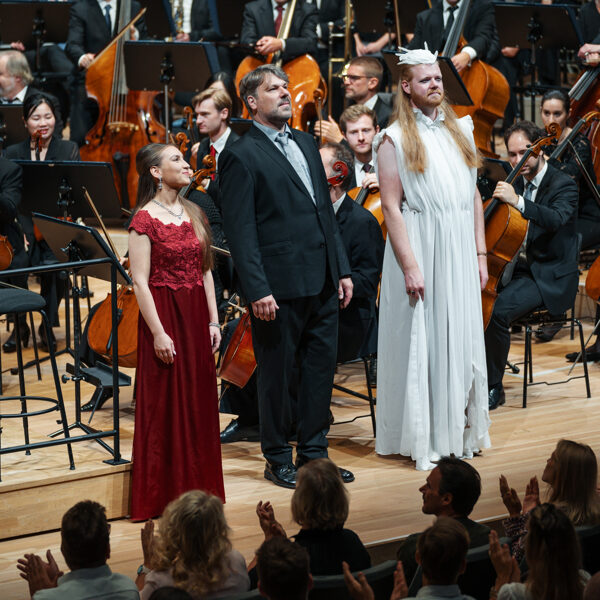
(126, 120)
(487, 87)
(303, 73)
(506, 228)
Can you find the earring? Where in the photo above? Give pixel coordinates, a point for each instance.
(159, 187)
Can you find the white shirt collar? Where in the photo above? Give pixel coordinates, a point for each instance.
(274, 5)
(537, 180)
(219, 144)
(447, 5)
(371, 102)
(338, 203)
(20, 97)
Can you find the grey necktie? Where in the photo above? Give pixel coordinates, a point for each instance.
(297, 160)
(510, 267)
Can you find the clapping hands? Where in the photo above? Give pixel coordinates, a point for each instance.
(38, 574)
(511, 498)
(266, 517)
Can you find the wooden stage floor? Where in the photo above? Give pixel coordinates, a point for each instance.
(385, 502)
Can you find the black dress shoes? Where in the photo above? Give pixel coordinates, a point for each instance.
(496, 397)
(44, 344)
(282, 475)
(591, 355)
(100, 397)
(10, 345)
(546, 333)
(347, 476)
(234, 432)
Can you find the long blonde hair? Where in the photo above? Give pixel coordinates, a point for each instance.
(151, 156)
(194, 542)
(415, 154)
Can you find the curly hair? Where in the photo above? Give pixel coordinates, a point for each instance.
(193, 542)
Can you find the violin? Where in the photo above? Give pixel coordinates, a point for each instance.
(370, 198)
(188, 113)
(506, 228)
(6, 253)
(210, 168)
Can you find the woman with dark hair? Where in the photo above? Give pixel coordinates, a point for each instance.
(176, 444)
(571, 473)
(553, 559)
(224, 81)
(40, 113)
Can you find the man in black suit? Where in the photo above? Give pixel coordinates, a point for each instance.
(433, 26)
(362, 82)
(292, 266)
(89, 33)
(15, 78)
(364, 244)
(544, 272)
(261, 22)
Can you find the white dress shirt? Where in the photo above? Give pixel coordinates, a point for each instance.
(470, 51)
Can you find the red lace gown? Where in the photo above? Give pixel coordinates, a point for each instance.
(176, 446)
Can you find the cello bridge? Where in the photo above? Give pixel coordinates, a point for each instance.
(118, 126)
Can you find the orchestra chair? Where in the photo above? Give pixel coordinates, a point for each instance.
(589, 540)
(15, 301)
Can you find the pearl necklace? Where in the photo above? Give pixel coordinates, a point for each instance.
(178, 216)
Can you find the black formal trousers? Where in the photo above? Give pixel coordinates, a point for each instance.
(301, 336)
(520, 296)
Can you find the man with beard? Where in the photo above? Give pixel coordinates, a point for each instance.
(431, 381)
(293, 270)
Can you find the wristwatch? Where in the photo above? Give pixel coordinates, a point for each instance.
(143, 570)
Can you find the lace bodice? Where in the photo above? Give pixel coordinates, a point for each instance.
(176, 259)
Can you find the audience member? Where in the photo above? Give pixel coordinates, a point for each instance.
(85, 546)
(451, 490)
(571, 474)
(553, 558)
(283, 570)
(192, 551)
(320, 506)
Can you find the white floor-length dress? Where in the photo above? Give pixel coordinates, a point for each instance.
(432, 396)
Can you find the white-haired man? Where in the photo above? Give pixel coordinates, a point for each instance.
(432, 388)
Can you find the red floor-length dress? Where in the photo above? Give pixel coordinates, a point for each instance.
(176, 444)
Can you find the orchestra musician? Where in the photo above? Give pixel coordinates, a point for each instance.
(15, 77)
(292, 266)
(544, 271)
(589, 20)
(40, 114)
(263, 18)
(362, 82)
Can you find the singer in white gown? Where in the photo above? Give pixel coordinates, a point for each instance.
(432, 393)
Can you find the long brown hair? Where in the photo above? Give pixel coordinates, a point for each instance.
(553, 555)
(415, 154)
(193, 542)
(151, 156)
(574, 485)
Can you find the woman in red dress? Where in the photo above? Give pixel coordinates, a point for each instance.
(176, 444)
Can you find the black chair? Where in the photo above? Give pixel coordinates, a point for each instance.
(589, 540)
(333, 587)
(16, 301)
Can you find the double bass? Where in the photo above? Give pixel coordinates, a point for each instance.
(487, 87)
(506, 228)
(303, 73)
(127, 120)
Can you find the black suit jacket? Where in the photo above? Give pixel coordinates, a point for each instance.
(11, 184)
(552, 240)
(57, 150)
(479, 31)
(201, 24)
(384, 107)
(280, 241)
(88, 31)
(330, 11)
(258, 21)
(364, 244)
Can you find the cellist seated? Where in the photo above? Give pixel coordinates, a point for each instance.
(262, 20)
(544, 271)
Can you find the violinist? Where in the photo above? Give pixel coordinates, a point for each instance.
(39, 115)
(359, 127)
(262, 20)
(544, 271)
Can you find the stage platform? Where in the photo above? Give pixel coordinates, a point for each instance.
(385, 502)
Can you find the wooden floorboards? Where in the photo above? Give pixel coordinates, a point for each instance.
(385, 502)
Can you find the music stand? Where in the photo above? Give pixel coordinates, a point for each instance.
(536, 26)
(73, 243)
(407, 13)
(33, 23)
(12, 130)
(172, 66)
(489, 174)
(454, 87)
(158, 19)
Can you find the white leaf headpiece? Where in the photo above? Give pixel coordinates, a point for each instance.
(419, 56)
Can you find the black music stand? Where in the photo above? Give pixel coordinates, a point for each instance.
(158, 19)
(543, 26)
(407, 13)
(489, 174)
(12, 129)
(172, 66)
(454, 88)
(33, 23)
(74, 243)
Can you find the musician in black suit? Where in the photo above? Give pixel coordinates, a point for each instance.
(364, 244)
(544, 272)
(89, 33)
(433, 26)
(258, 28)
(292, 266)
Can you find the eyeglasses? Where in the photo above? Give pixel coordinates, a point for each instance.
(354, 78)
